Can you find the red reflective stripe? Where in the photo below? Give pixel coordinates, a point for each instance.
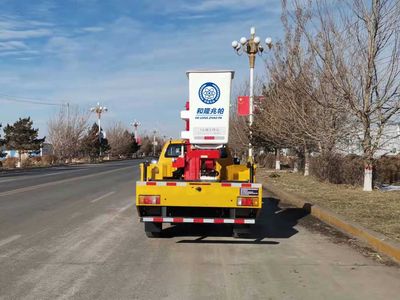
(151, 183)
(209, 137)
(194, 220)
(246, 184)
(239, 221)
(226, 184)
(171, 183)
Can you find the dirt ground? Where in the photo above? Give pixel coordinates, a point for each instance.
(377, 210)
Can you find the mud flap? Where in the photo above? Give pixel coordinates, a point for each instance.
(153, 227)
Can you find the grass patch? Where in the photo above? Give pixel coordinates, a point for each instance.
(377, 210)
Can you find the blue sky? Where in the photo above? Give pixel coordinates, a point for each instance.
(129, 55)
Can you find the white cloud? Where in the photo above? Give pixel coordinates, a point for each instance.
(19, 53)
(24, 34)
(209, 5)
(15, 23)
(14, 28)
(26, 58)
(12, 45)
(16, 48)
(93, 29)
(212, 6)
(60, 44)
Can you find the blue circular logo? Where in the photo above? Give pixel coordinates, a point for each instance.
(209, 93)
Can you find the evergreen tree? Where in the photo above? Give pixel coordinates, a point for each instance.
(131, 145)
(22, 137)
(92, 144)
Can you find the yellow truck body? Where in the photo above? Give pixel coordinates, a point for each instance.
(198, 194)
(160, 198)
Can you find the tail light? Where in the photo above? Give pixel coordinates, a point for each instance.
(149, 199)
(247, 201)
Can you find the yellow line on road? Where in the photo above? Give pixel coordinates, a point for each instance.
(52, 183)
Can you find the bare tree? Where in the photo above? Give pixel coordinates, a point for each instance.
(288, 118)
(147, 145)
(238, 128)
(359, 52)
(66, 131)
(116, 139)
(122, 142)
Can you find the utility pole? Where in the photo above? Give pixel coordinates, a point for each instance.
(154, 142)
(98, 109)
(251, 47)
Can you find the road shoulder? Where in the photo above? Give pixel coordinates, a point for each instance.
(379, 242)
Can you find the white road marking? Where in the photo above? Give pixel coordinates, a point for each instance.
(9, 239)
(37, 176)
(122, 209)
(102, 197)
(52, 183)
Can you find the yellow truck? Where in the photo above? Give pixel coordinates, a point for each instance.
(196, 179)
(163, 196)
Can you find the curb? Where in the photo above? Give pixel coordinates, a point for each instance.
(375, 240)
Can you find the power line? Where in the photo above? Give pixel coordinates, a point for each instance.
(9, 98)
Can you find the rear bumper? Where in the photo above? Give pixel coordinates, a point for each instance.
(199, 194)
(197, 220)
(215, 215)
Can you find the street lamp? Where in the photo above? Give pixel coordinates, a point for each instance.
(98, 109)
(135, 125)
(251, 47)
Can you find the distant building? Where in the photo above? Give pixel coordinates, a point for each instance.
(46, 149)
(389, 144)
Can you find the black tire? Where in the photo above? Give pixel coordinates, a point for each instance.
(236, 235)
(151, 234)
(153, 230)
(239, 231)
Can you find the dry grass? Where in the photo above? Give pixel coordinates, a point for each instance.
(379, 211)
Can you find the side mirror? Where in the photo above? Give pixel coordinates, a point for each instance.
(236, 160)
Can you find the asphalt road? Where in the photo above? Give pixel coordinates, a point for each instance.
(74, 233)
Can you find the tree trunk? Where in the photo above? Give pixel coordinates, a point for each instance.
(368, 177)
(295, 166)
(277, 159)
(19, 163)
(306, 162)
(368, 157)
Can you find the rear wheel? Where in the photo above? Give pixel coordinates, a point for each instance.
(151, 234)
(239, 231)
(153, 230)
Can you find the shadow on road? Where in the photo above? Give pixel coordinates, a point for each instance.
(202, 240)
(273, 222)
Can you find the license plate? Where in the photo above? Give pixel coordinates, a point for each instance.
(248, 192)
